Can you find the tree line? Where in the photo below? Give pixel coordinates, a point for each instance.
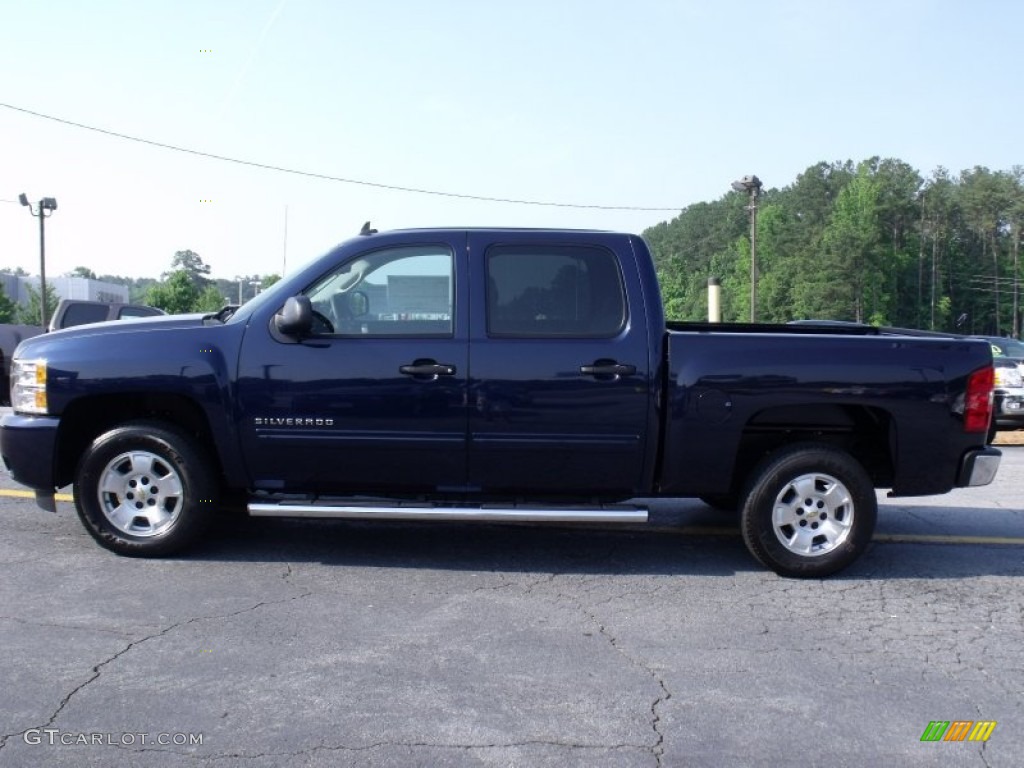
(185, 287)
(188, 287)
(873, 242)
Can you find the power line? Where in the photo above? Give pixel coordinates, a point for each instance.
(326, 177)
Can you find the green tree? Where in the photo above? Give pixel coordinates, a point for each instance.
(29, 314)
(899, 239)
(268, 280)
(193, 266)
(1016, 220)
(83, 272)
(775, 278)
(210, 300)
(875, 242)
(8, 309)
(698, 244)
(849, 285)
(985, 197)
(176, 295)
(937, 224)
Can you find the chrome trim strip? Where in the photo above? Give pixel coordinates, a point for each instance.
(425, 512)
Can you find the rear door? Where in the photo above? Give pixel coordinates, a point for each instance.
(560, 377)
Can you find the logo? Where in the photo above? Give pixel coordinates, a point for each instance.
(291, 421)
(958, 730)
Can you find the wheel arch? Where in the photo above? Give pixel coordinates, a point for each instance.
(87, 418)
(866, 433)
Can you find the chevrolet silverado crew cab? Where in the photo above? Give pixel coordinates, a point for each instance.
(493, 375)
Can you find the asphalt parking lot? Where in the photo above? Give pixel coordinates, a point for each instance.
(308, 643)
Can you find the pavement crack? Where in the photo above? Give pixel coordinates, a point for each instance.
(657, 748)
(97, 670)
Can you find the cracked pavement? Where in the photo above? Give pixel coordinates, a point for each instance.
(309, 643)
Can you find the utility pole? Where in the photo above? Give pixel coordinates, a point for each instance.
(44, 205)
(751, 185)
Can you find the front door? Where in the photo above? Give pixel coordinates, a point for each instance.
(375, 398)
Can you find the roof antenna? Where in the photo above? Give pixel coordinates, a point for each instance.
(367, 230)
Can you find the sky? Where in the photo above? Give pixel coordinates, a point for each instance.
(601, 106)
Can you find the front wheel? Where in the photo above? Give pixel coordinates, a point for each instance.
(145, 489)
(809, 511)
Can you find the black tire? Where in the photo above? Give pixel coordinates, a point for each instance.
(809, 511)
(118, 490)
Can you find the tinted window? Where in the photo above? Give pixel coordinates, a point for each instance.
(136, 312)
(554, 291)
(391, 292)
(80, 314)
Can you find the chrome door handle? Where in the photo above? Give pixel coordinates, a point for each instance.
(427, 368)
(607, 368)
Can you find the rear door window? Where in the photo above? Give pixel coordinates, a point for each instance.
(559, 291)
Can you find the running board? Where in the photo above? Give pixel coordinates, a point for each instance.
(605, 513)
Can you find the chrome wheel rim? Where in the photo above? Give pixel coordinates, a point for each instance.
(140, 493)
(813, 514)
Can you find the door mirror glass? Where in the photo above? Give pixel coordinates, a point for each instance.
(358, 303)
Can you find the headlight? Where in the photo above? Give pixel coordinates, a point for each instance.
(1008, 377)
(28, 386)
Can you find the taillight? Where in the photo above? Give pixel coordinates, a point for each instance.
(978, 401)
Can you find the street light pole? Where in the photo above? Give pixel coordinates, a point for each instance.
(751, 185)
(44, 205)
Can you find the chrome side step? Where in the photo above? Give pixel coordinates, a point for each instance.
(605, 513)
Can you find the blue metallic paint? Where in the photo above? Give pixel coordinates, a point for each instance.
(517, 416)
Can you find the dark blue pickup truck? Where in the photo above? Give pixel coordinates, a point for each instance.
(495, 375)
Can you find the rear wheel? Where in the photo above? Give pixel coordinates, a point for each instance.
(145, 489)
(809, 511)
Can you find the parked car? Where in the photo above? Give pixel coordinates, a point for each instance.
(1009, 396)
(1005, 347)
(1008, 360)
(493, 375)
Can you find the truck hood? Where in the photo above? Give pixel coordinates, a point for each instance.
(37, 344)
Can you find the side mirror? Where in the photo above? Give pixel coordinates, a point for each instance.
(358, 303)
(295, 317)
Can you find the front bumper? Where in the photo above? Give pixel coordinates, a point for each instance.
(979, 467)
(1009, 407)
(28, 446)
